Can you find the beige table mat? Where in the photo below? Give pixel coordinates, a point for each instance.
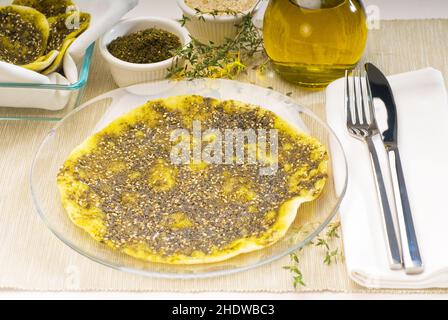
(31, 258)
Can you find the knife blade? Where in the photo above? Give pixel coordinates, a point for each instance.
(381, 89)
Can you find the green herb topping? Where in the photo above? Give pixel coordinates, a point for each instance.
(146, 46)
(20, 41)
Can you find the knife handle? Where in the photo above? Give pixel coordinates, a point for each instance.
(411, 254)
(394, 254)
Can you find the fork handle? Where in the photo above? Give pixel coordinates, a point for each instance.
(411, 254)
(394, 254)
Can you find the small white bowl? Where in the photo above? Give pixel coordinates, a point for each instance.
(211, 28)
(126, 73)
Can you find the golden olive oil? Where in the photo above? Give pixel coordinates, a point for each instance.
(313, 42)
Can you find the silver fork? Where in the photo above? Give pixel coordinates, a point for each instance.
(361, 124)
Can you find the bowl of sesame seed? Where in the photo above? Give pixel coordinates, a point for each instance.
(215, 20)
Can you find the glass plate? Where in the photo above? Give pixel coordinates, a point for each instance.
(93, 115)
(68, 95)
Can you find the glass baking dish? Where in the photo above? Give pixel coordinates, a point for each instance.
(66, 97)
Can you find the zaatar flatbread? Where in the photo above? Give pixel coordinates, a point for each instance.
(57, 63)
(122, 187)
(49, 8)
(66, 26)
(64, 29)
(23, 35)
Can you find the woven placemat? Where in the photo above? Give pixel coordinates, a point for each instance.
(31, 258)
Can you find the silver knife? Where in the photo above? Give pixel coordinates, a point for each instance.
(380, 88)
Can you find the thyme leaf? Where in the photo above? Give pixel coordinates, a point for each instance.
(184, 20)
(333, 230)
(331, 256)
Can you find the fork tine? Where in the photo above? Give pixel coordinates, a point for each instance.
(355, 96)
(365, 106)
(348, 100)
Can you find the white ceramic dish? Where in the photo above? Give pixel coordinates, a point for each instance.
(125, 73)
(211, 28)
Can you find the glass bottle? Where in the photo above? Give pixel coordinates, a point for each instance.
(313, 42)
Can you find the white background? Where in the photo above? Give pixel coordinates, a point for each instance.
(389, 9)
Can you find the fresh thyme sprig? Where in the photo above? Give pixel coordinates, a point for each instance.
(332, 233)
(294, 269)
(333, 230)
(215, 13)
(201, 15)
(210, 60)
(184, 20)
(331, 255)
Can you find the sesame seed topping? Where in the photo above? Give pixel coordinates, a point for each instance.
(20, 41)
(177, 209)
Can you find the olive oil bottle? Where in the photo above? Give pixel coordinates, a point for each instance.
(313, 42)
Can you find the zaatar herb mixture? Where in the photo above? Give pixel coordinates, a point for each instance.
(220, 203)
(20, 41)
(59, 32)
(49, 8)
(145, 46)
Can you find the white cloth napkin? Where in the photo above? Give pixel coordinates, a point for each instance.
(422, 109)
(104, 14)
